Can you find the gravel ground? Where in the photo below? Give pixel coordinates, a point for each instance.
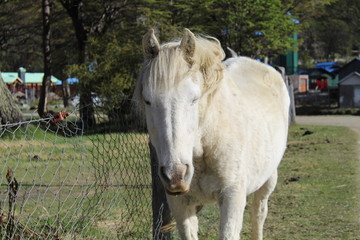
(352, 122)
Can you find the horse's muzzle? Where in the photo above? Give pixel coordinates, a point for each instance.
(179, 189)
(174, 183)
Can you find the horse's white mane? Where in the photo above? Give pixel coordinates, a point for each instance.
(171, 66)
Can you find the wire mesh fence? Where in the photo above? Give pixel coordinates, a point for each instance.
(69, 180)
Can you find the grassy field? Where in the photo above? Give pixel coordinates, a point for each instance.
(76, 186)
(317, 196)
(79, 187)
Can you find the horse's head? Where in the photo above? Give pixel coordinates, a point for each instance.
(171, 87)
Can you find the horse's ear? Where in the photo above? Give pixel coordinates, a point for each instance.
(187, 46)
(150, 44)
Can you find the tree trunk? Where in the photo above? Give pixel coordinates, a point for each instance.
(86, 109)
(9, 111)
(75, 11)
(46, 11)
(66, 92)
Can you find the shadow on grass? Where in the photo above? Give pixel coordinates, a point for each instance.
(313, 110)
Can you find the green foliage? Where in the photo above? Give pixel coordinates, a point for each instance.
(335, 38)
(114, 29)
(20, 35)
(329, 30)
(112, 66)
(255, 28)
(306, 10)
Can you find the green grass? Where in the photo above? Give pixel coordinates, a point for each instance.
(323, 204)
(83, 187)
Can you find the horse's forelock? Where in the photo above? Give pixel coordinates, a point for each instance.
(169, 67)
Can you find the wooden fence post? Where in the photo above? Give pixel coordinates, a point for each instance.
(292, 100)
(160, 208)
(290, 88)
(13, 190)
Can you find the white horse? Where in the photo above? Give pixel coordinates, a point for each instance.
(219, 129)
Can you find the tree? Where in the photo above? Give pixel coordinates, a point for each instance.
(339, 29)
(255, 28)
(306, 10)
(9, 111)
(20, 35)
(46, 11)
(90, 18)
(328, 29)
(335, 38)
(74, 9)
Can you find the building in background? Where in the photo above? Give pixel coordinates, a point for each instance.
(28, 83)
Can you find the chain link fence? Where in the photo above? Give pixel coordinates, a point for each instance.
(67, 180)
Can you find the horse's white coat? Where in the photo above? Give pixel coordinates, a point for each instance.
(219, 129)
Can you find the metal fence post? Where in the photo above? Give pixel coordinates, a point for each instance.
(160, 208)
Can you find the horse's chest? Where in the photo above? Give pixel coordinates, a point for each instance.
(209, 183)
(206, 188)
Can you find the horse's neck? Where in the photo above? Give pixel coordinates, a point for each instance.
(221, 99)
(218, 106)
(215, 120)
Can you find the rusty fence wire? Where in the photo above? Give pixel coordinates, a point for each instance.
(73, 180)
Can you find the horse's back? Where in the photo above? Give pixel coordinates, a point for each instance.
(261, 84)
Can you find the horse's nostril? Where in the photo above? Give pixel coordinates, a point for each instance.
(186, 170)
(163, 174)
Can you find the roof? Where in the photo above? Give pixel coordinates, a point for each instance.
(314, 72)
(351, 79)
(37, 78)
(10, 77)
(351, 62)
(328, 66)
(30, 77)
(71, 81)
(352, 66)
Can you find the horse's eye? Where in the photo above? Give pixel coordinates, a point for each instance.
(147, 102)
(194, 101)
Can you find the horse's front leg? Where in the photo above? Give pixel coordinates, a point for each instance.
(185, 217)
(232, 201)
